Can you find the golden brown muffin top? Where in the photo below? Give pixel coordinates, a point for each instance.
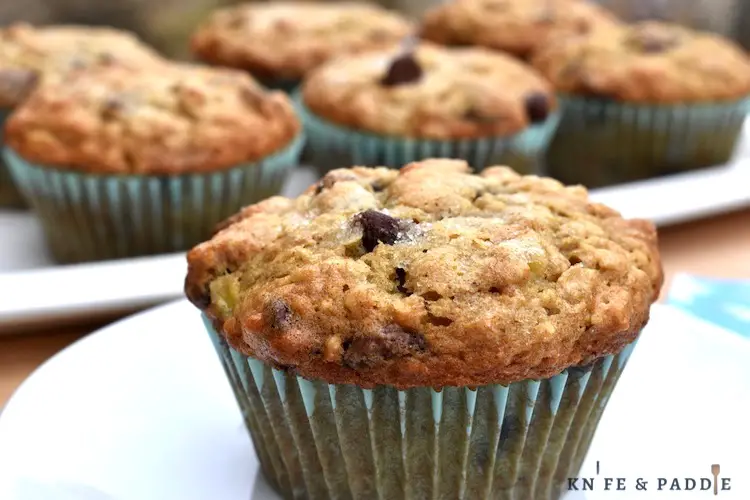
(515, 26)
(182, 118)
(285, 40)
(430, 92)
(28, 53)
(428, 276)
(648, 62)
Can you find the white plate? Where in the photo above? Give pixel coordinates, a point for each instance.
(37, 293)
(141, 410)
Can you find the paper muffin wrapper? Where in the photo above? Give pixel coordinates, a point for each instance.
(10, 195)
(601, 142)
(90, 217)
(333, 146)
(318, 441)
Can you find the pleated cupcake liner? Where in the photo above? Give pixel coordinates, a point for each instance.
(333, 146)
(323, 441)
(601, 142)
(88, 217)
(10, 195)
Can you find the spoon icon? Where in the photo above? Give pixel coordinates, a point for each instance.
(715, 469)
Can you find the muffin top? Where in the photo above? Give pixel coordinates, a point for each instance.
(179, 119)
(430, 92)
(28, 53)
(515, 26)
(285, 40)
(428, 276)
(648, 62)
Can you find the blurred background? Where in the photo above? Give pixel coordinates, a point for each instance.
(166, 24)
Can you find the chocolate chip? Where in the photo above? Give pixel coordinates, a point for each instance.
(537, 107)
(15, 84)
(404, 69)
(332, 178)
(377, 227)
(655, 45)
(278, 315)
(401, 277)
(392, 341)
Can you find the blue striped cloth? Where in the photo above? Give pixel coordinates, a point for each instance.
(724, 302)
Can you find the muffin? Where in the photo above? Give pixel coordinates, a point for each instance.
(28, 54)
(120, 162)
(280, 42)
(390, 334)
(518, 27)
(408, 104)
(643, 101)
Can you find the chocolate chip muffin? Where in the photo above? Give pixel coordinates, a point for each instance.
(646, 100)
(518, 27)
(383, 313)
(281, 42)
(417, 102)
(30, 54)
(147, 161)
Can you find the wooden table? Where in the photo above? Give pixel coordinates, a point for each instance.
(717, 247)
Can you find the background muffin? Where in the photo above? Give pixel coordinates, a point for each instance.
(340, 315)
(518, 27)
(392, 107)
(280, 42)
(29, 54)
(644, 100)
(121, 162)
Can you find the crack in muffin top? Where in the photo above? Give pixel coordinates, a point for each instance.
(428, 276)
(648, 62)
(288, 39)
(515, 26)
(430, 91)
(179, 119)
(29, 53)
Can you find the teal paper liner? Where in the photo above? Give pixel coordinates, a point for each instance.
(89, 217)
(601, 142)
(331, 146)
(321, 441)
(10, 195)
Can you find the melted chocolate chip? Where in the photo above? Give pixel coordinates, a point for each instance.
(404, 69)
(390, 342)
(278, 315)
(332, 178)
(537, 107)
(377, 227)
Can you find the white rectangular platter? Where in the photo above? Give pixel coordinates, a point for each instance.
(35, 293)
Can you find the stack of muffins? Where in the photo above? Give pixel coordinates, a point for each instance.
(415, 333)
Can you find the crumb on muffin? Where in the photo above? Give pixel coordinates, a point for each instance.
(430, 92)
(285, 40)
(182, 118)
(28, 54)
(647, 62)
